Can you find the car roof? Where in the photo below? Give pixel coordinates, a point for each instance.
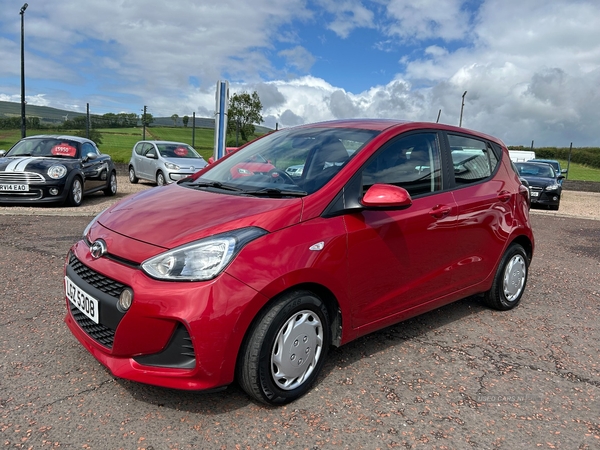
(384, 124)
(60, 136)
(163, 142)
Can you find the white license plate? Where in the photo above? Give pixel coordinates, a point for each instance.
(535, 194)
(14, 187)
(87, 304)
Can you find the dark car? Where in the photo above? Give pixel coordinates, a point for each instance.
(54, 169)
(254, 277)
(544, 183)
(555, 165)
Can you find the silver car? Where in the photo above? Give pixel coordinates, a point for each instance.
(163, 162)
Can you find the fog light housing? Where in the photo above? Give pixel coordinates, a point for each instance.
(125, 299)
(53, 191)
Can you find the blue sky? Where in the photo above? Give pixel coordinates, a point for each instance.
(531, 67)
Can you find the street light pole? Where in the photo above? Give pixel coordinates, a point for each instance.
(23, 8)
(461, 109)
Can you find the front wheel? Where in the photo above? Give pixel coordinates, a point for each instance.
(75, 194)
(285, 349)
(111, 186)
(160, 179)
(510, 279)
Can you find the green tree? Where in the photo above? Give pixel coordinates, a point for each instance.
(147, 119)
(185, 119)
(174, 118)
(244, 111)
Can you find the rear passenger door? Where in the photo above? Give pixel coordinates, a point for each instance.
(484, 207)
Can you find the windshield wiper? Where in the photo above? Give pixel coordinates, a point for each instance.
(275, 192)
(217, 185)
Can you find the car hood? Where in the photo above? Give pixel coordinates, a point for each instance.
(169, 216)
(540, 181)
(187, 163)
(30, 164)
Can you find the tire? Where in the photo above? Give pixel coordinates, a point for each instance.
(75, 195)
(510, 279)
(111, 187)
(132, 178)
(160, 179)
(269, 367)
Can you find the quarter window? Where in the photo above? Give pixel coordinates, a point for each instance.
(473, 159)
(411, 162)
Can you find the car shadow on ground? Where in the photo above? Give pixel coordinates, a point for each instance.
(233, 397)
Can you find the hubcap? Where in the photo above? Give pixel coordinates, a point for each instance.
(297, 350)
(131, 174)
(77, 191)
(514, 278)
(113, 183)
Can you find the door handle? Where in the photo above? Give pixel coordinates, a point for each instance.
(440, 211)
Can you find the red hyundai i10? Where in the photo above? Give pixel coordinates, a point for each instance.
(234, 274)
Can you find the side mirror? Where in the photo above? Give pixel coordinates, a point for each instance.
(382, 196)
(90, 155)
(2, 153)
(151, 155)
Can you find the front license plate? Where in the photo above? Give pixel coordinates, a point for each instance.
(85, 303)
(14, 187)
(535, 194)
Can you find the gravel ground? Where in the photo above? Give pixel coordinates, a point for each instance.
(585, 205)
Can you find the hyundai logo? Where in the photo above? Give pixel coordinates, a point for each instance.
(98, 249)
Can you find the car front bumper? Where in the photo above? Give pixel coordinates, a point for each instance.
(182, 335)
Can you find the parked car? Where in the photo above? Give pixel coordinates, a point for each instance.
(54, 169)
(544, 183)
(163, 162)
(555, 165)
(295, 171)
(218, 278)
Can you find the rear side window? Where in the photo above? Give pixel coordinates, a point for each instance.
(411, 162)
(139, 147)
(473, 159)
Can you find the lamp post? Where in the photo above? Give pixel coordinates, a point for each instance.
(461, 109)
(23, 8)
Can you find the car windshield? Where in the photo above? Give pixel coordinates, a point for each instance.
(535, 170)
(177, 151)
(293, 162)
(48, 147)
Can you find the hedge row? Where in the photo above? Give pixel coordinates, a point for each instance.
(588, 156)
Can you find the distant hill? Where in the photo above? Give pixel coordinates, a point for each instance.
(53, 116)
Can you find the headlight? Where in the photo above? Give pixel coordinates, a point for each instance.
(552, 187)
(201, 260)
(57, 171)
(171, 166)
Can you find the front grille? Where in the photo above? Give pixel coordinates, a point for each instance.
(21, 177)
(96, 331)
(100, 282)
(536, 189)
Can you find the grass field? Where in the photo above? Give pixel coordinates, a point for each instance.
(118, 142)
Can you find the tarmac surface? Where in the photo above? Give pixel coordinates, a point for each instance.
(460, 377)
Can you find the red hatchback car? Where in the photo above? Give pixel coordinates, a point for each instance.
(218, 278)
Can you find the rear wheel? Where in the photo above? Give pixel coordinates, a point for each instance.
(111, 186)
(132, 177)
(160, 179)
(285, 349)
(510, 279)
(75, 194)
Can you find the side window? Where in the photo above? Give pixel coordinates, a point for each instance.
(139, 148)
(88, 148)
(411, 162)
(473, 159)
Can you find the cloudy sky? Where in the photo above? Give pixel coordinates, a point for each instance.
(531, 68)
